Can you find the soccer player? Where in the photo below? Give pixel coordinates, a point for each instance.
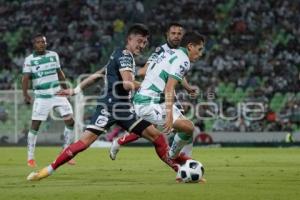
(114, 104)
(174, 34)
(162, 76)
(43, 68)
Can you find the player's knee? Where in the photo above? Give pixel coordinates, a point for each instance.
(190, 128)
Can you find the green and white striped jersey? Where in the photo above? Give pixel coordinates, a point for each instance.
(163, 48)
(43, 72)
(170, 63)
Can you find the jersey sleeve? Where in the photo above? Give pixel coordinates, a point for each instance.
(125, 61)
(26, 67)
(179, 67)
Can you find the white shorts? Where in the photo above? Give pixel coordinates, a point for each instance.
(156, 113)
(43, 106)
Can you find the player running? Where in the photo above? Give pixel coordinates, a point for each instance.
(114, 107)
(174, 34)
(43, 68)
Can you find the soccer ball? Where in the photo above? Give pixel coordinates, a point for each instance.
(191, 172)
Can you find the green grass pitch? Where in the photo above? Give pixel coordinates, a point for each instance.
(232, 173)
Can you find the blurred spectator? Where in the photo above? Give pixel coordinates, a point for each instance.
(253, 45)
(3, 113)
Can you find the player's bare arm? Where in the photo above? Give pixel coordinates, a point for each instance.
(62, 78)
(85, 83)
(189, 88)
(25, 86)
(128, 80)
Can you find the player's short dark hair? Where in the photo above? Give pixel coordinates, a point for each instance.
(173, 24)
(192, 37)
(140, 29)
(36, 36)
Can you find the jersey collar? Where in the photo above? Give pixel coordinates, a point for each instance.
(35, 53)
(170, 46)
(184, 50)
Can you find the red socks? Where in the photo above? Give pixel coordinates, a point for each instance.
(127, 138)
(68, 153)
(162, 148)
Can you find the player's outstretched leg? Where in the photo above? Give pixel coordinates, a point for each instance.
(116, 144)
(161, 145)
(64, 157)
(70, 152)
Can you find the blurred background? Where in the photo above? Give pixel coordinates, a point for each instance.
(252, 54)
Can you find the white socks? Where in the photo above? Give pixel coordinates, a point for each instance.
(179, 141)
(188, 148)
(31, 141)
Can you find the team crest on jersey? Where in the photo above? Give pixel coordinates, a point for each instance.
(101, 121)
(157, 49)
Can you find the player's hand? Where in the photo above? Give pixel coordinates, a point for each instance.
(193, 92)
(27, 99)
(168, 126)
(65, 92)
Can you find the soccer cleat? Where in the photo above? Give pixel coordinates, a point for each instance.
(31, 163)
(114, 149)
(36, 176)
(71, 162)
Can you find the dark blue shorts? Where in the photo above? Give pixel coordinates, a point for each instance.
(120, 114)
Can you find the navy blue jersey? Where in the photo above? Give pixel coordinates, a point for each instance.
(120, 60)
(115, 102)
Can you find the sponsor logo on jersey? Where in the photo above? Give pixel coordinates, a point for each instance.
(101, 121)
(40, 74)
(125, 61)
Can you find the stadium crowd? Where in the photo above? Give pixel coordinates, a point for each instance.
(252, 50)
